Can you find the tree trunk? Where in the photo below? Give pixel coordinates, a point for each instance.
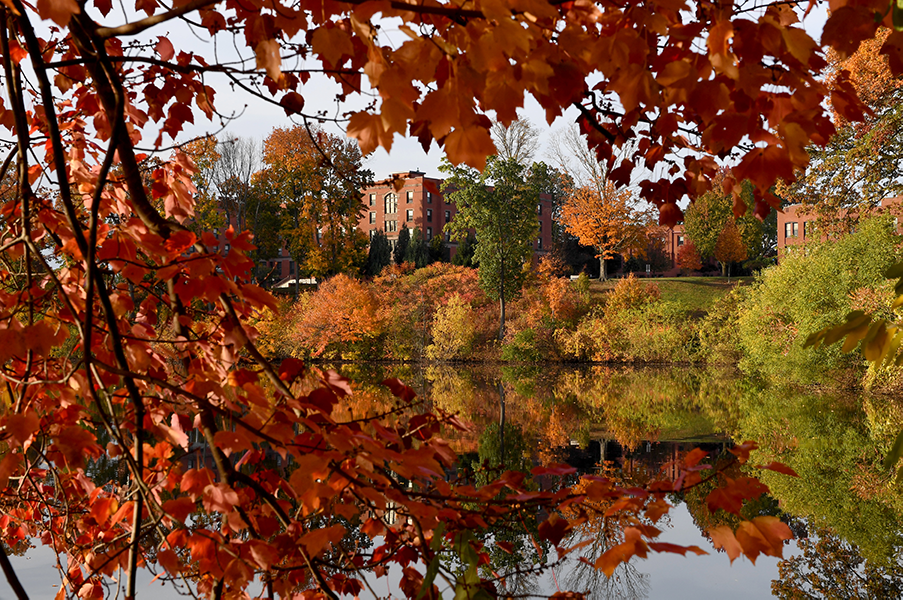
(502, 422)
(502, 300)
(724, 267)
(603, 270)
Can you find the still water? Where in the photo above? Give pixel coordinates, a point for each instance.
(629, 424)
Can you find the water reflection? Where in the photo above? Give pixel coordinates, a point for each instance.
(636, 421)
(630, 426)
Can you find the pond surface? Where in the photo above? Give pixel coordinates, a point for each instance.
(629, 424)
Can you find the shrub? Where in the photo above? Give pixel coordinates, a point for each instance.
(630, 293)
(523, 347)
(339, 320)
(453, 331)
(813, 287)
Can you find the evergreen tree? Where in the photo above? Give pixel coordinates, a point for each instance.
(438, 250)
(418, 253)
(401, 246)
(380, 254)
(466, 250)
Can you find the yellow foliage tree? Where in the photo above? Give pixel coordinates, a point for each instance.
(607, 220)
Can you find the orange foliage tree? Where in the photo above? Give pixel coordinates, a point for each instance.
(125, 334)
(315, 179)
(688, 257)
(729, 248)
(606, 220)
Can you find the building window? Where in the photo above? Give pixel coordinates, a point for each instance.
(391, 204)
(373, 217)
(539, 208)
(372, 233)
(410, 197)
(372, 199)
(539, 243)
(429, 197)
(791, 229)
(447, 216)
(680, 241)
(429, 215)
(391, 225)
(447, 236)
(409, 215)
(540, 225)
(429, 233)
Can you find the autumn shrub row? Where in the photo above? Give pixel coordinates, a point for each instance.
(439, 313)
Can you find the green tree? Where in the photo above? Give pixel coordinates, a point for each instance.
(402, 245)
(380, 254)
(705, 219)
(499, 204)
(438, 251)
(862, 163)
(466, 249)
(418, 252)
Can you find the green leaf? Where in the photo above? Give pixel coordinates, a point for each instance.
(895, 452)
(436, 542)
(897, 18)
(430, 576)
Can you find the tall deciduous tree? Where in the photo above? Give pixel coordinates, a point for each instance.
(863, 163)
(499, 204)
(706, 218)
(317, 178)
(517, 141)
(606, 220)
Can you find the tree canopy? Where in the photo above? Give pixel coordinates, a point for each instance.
(499, 204)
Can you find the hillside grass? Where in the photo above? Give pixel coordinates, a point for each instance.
(697, 294)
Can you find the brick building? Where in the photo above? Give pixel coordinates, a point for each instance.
(796, 224)
(419, 204)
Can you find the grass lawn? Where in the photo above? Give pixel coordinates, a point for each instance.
(696, 293)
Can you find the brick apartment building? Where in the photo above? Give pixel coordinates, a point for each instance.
(796, 224)
(419, 204)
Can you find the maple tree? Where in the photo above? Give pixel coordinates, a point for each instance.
(124, 332)
(729, 248)
(688, 257)
(316, 179)
(861, 165)
(607, 220)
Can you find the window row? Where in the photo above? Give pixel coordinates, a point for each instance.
(792, 229)
(409, 216)
(391, 200)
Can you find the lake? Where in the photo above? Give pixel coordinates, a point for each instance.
(630, 425)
